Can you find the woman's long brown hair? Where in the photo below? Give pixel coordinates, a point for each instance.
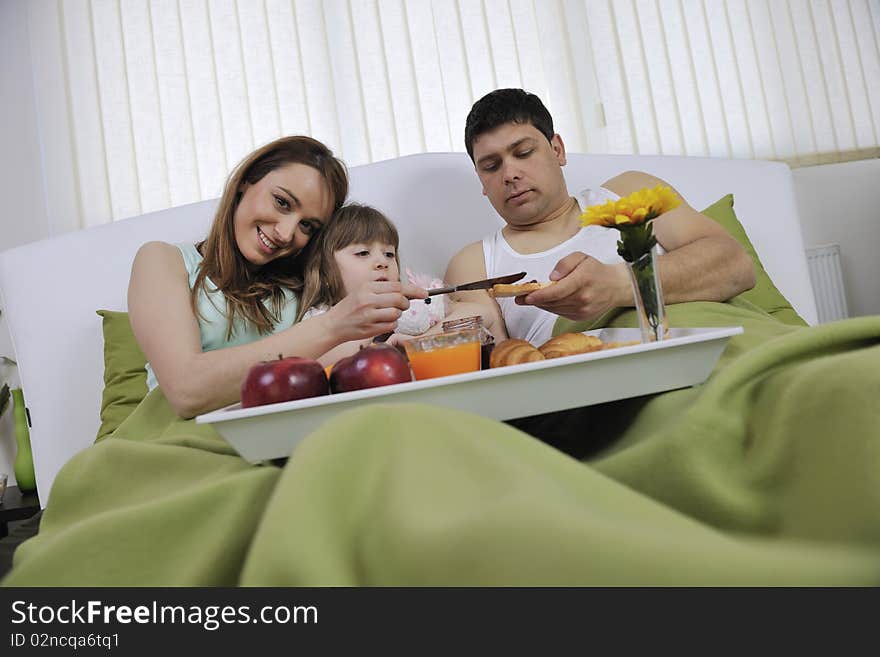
(245, 287)
(352, 224)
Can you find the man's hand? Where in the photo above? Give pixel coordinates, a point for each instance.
(585, 288)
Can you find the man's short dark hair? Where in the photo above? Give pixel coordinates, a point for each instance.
(506, 106)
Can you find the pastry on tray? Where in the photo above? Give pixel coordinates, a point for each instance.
(513, 352)
(569, 344)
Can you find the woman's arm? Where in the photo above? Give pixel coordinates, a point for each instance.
(196, 382)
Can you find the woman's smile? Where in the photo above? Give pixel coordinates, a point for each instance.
(269, 247)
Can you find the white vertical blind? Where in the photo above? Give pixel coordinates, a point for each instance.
(144, 104)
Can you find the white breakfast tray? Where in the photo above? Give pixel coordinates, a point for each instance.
(684, 359)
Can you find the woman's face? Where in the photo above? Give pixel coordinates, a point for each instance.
(359, 263)
(278, 214)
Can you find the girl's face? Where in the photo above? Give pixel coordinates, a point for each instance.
(278, 214)
(359, 263)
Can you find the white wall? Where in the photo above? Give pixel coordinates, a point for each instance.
(840, 204)
(23, 211)
(23, 217)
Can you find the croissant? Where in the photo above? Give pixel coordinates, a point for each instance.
(615, 345)
(568, 344)
(513, 351)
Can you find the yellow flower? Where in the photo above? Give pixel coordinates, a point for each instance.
(639, 207)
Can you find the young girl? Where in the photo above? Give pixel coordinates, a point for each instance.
(204, 313)
(360, 247)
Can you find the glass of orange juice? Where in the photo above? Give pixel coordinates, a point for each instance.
(442, 354)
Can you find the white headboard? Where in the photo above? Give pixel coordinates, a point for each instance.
(52, 288)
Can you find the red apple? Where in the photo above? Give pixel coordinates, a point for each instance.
(373, 366)
(285, 379)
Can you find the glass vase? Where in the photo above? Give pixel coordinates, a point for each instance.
(645, 277)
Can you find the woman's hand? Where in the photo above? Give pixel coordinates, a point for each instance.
(372, 309)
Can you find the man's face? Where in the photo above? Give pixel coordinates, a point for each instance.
(521, 172)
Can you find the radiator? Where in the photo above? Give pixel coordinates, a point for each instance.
(827, 279)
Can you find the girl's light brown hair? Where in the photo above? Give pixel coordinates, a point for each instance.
(245, 286)
(352, 224)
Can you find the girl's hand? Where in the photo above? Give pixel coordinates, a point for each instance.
(372, 309)
(399, 338)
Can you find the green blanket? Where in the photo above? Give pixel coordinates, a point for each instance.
(767, 474)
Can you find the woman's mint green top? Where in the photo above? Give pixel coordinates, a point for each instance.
(212, 313)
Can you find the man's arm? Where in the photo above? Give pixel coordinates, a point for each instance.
(466, 266)
(702, 263)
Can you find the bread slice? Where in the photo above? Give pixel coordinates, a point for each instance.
(517, 289)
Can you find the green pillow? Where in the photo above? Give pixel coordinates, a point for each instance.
(125, 379)
(765, 295)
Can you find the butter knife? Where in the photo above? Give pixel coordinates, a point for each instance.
(485, 284)
(478, 285)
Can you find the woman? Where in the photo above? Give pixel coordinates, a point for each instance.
(203, 314)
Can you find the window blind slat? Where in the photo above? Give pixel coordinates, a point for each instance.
(151, 167)
(429, 80)
(656, 59)
(497, 19)
(292, 109)
(836, 93)
(868, 48)
(586, 89)
(478, 54)
(455, 73)
(259, 71)
(204, 100)
(555, 55)
(350, 110)
(402, 89)
(739, 139)
(373, 80)
(852, 74)
(637, 82)
(321, 92)
(85, 116)
(178, 141)
(680, 61)
(773, 88)
(793, 80)
(750, 86)
(525, 33)
(116, 109)
(813, 75)
(64, 209)
(232, 83)
(613, 87)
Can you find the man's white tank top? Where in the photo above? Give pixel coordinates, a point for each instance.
(527, 322)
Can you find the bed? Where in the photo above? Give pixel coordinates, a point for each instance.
(713, 481)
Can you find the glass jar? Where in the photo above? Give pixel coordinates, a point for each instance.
(487, 340)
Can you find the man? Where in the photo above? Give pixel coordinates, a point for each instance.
(519, 159)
